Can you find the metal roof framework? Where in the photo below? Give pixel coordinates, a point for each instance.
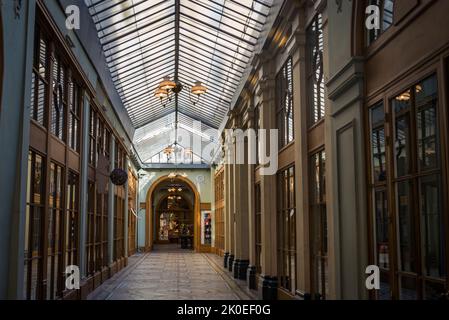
(211, 41)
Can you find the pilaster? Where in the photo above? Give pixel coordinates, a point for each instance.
(18, 37)
(268, 188)
(84, 194)
(301, 125)
(126, 214)
(111, 194)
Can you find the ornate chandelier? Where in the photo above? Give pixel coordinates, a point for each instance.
(167, 88)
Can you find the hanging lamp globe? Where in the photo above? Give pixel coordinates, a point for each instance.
(167, 84)
(199, 89)
(169, 150)
(161, 93)
(119, 177)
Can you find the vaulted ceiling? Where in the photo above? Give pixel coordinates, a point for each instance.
(212, 41)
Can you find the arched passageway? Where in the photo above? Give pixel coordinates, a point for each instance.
(173, 213)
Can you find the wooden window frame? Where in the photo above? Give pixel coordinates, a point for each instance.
(72, 219)
(132, 219)
(75, 102)
(319, 278)
(119, 207)
(56, 155)
(287, 279)
(91, 266)
(390, 185)
(55, 281)
(37, 78)
(219, 210)
(284, 103)
(315, 71)
(59, 97)
(34, 205)
(258, 226)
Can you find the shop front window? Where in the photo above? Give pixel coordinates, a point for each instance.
(319, 236)
(415, 232)
(286, 230)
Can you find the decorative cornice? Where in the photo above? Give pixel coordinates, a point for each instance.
(299, 40)
(347, 77)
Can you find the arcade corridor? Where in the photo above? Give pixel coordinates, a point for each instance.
(224, 149)
(169, 273)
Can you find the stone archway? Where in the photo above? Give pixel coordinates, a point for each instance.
(149, 212)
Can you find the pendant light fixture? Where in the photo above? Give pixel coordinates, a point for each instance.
(167, 88)
(197, 90)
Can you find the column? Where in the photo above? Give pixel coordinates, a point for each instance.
(251, 165)
(345, 165)
(241, 261)
(268, 282)
(111, 205)
(84, 194)
(229, 169)
(300, 103)
(126, 212)
(227, 239)
(18, 34)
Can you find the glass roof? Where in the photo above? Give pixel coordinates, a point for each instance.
(200, 138)
(211, 41)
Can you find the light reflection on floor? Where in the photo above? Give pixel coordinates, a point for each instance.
(168, 273)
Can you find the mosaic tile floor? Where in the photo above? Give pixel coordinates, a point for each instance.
(168, 274)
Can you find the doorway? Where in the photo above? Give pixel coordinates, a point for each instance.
(172, 214)
(175, 220)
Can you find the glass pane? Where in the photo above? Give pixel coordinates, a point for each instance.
(402, 146)
(40, 102)
(377, 115)
(387, 17)
(402, 102)
(33, 96)
(406, 226)
(408, 288)
(43, 59)
(315, 40)
(323, 176)
(38, 180)
(432, 228)
(378, 143)
(316, 179)
(382, 238)
(378, 154)
(37, 226)
(427, 125)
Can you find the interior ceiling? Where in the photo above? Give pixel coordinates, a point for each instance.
(211, 41)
